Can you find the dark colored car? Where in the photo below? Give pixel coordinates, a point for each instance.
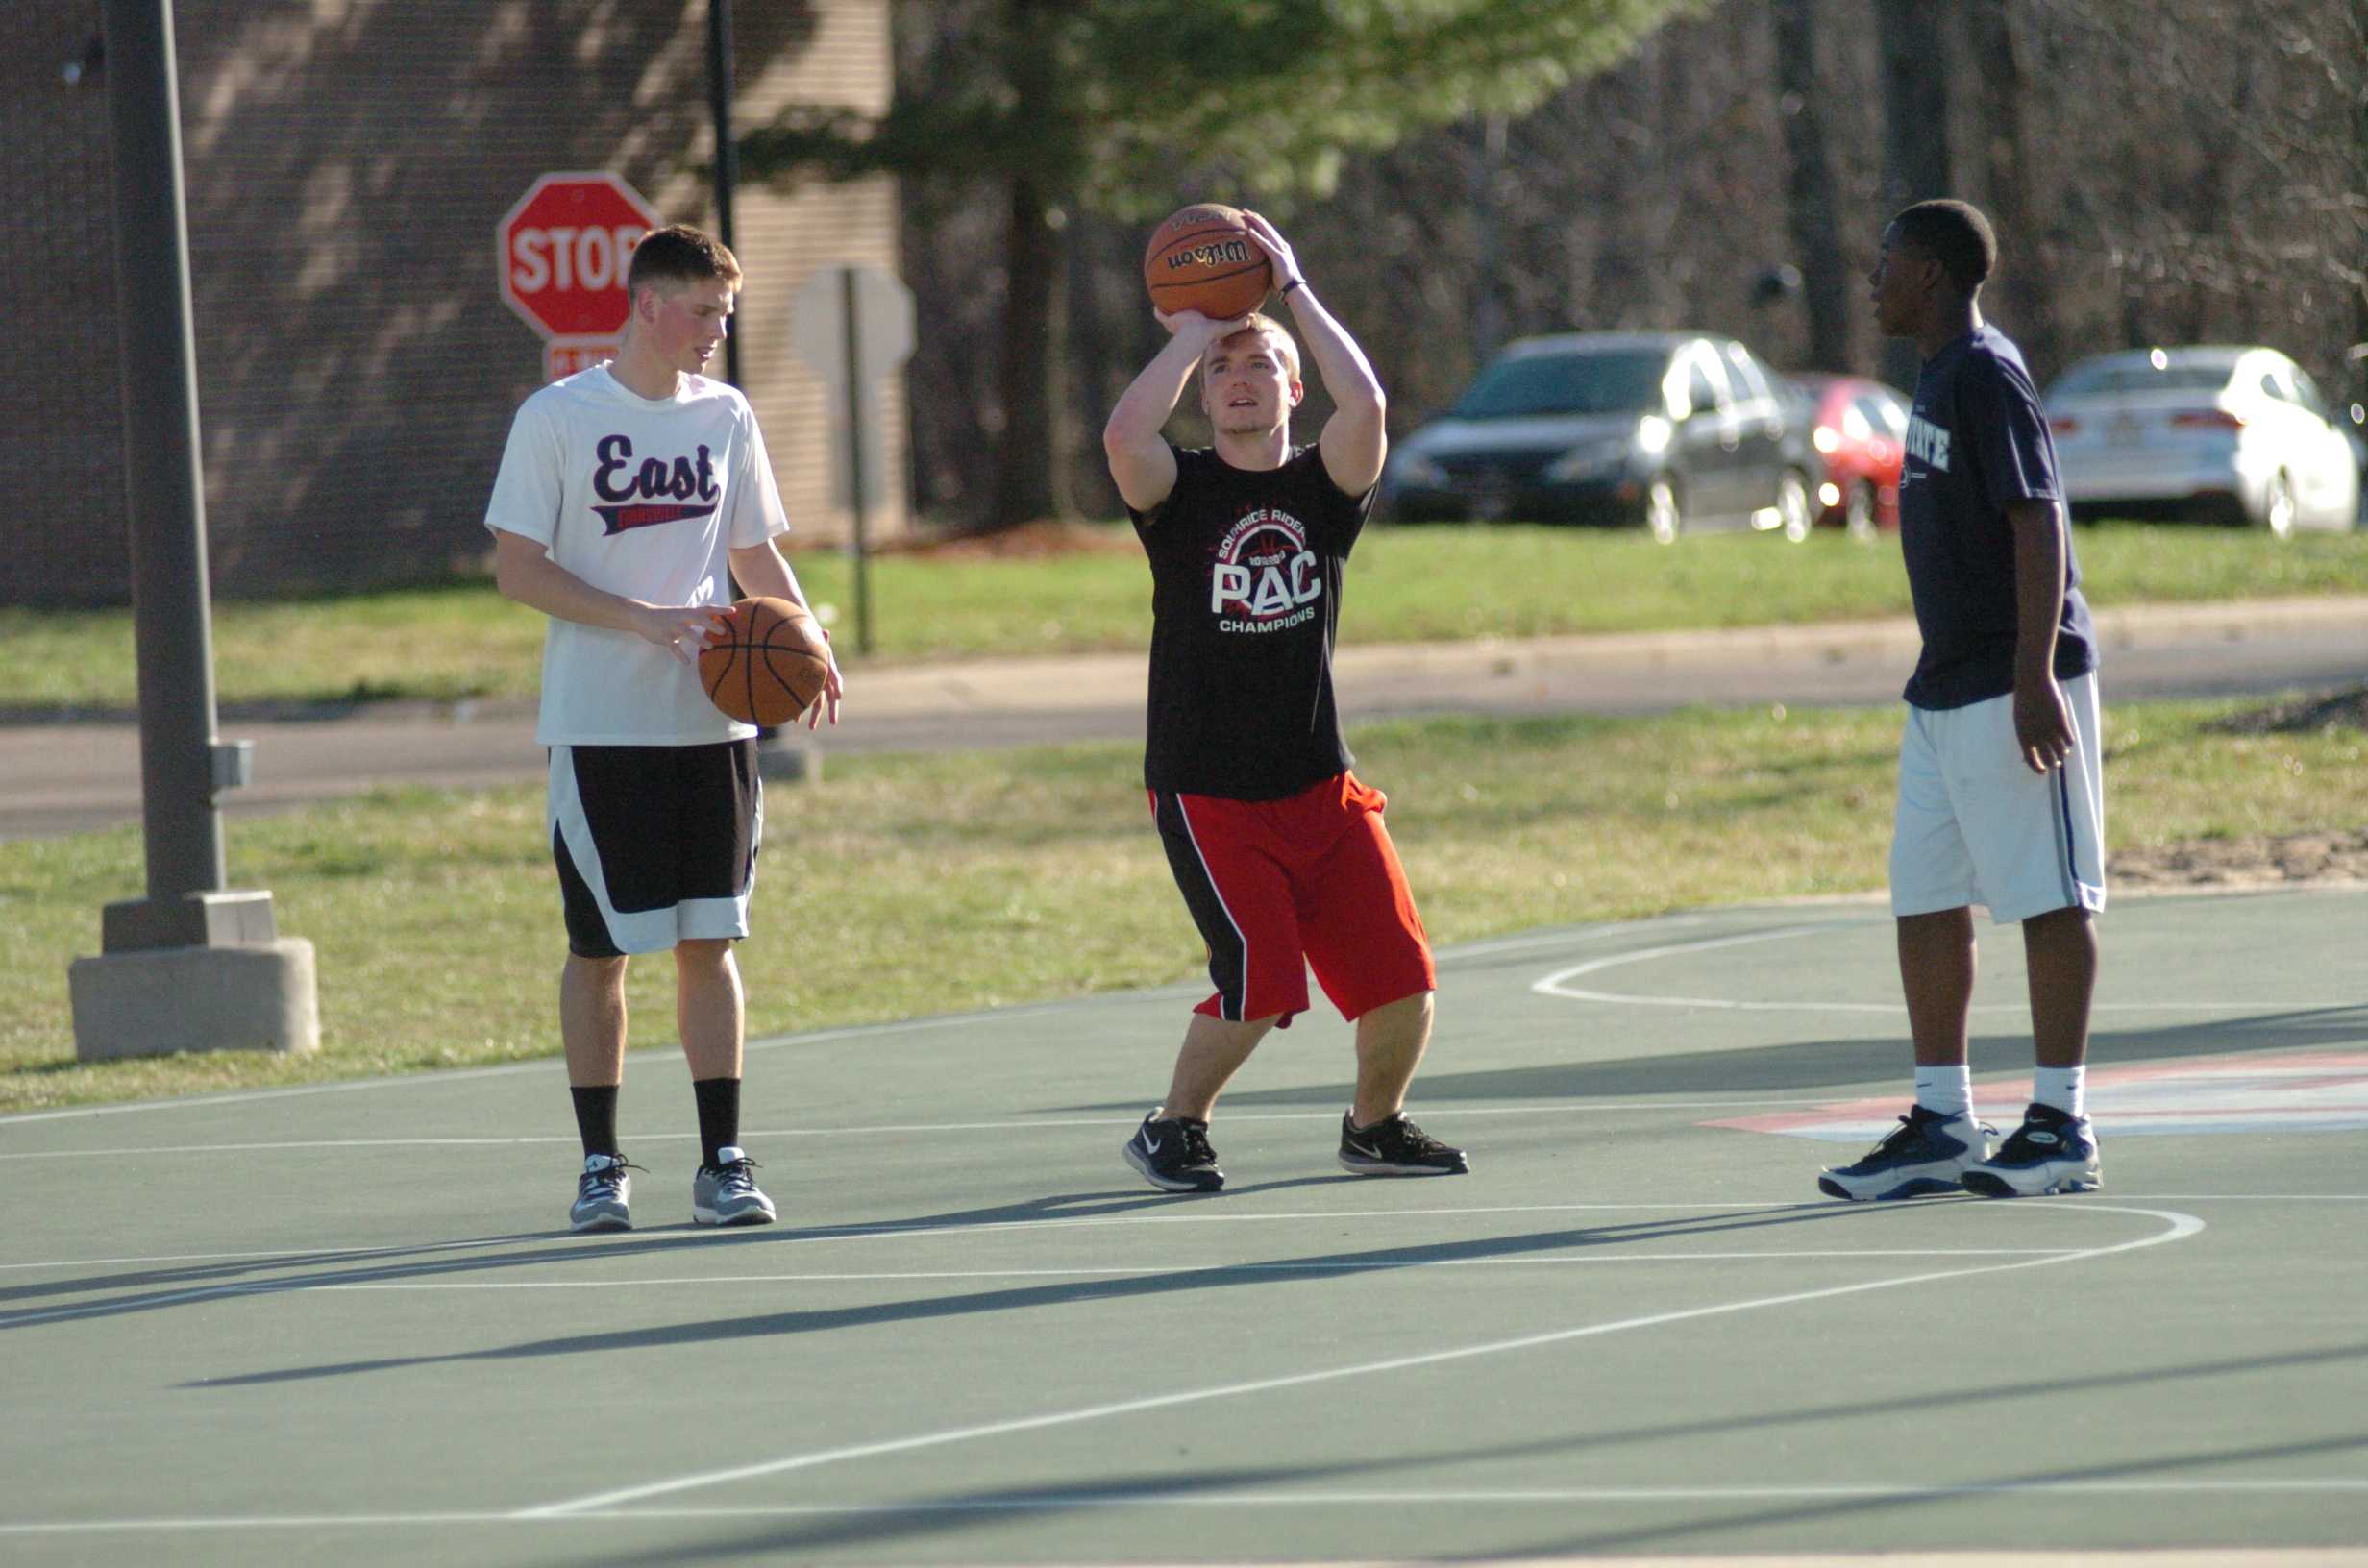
(1669, 432)
(1858, 429)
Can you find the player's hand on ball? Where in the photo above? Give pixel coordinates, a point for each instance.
(1278, 250)
(835, 687)
(1182, 322)
(680, 630)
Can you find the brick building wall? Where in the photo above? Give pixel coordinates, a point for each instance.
(347, 163)
(61, 534)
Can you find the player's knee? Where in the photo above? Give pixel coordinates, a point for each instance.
(592, 973)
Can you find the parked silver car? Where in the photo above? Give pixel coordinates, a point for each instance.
(1678, 432)
(2235, 433)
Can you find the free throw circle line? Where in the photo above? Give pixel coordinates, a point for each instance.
(2177, 1227)
(1558, 985)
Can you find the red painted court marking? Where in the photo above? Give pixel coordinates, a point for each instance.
(2309, 1091)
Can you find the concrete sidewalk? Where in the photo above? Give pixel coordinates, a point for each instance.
(72, 777)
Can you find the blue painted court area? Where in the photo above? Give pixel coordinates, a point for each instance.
(345, 1323)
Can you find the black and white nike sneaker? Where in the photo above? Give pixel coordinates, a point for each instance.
(1397, 1148)
(1926, 1154)
(2052, 1151)
(1174, 1154)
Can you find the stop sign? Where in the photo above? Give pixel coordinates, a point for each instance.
(564, 249)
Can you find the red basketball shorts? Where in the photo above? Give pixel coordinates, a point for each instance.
(1282, 886)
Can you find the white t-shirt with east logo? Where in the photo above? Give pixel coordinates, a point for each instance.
(643, 498)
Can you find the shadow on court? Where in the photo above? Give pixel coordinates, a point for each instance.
(2043, 1472)
(920, 1518)
(1166, 1283)
(1789, 1065)
(161, 1288)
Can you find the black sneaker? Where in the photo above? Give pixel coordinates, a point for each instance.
(2052, 1151)
(1397, 1148)
(1926, 1154)
(1175, 1154)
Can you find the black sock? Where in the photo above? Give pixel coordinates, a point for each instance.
(719, 1114)
(596, 1118)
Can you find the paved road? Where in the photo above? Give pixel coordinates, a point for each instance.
(68, 777)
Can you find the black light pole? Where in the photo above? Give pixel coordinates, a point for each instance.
(180, 764)
(727, 150)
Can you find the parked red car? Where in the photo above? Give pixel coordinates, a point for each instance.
(1859, 431)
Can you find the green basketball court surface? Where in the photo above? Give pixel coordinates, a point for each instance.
(347, 1323)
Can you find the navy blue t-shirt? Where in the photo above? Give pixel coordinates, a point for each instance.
(1246, 599)
(1976, 442)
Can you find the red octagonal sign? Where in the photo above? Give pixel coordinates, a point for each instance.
(564, 251)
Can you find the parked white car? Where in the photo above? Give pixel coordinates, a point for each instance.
(2241, 435)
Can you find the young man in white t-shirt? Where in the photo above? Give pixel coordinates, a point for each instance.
(629, 497)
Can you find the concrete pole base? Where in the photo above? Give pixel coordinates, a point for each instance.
(782, 760)
(252, 997)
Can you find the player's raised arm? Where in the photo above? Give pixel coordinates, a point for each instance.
(1356, 437)
(1141, 463)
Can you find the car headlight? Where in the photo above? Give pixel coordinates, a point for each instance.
(1412, 468)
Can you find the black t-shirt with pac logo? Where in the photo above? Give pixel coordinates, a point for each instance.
(1246, 596)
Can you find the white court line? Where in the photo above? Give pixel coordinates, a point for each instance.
(858, 1031)
(2177, 1227)
(703, 1281)
(1153, 1499)
(1558, 984)
(893, 1230)
(1020, 1122)
(890, 1230)
(1156, 1499)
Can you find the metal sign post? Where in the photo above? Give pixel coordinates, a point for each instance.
(852, 326)
(193, 965)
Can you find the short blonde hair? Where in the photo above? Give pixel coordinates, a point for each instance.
(1286, 349)
(679, 254)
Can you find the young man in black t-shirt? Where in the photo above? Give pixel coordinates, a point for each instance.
(2001, 784)
(1279, 850)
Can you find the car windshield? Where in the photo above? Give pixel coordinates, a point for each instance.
(1609, 383)
(2138, 376)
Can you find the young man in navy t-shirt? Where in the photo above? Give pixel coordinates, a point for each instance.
(1279, 850)
(2000, 790)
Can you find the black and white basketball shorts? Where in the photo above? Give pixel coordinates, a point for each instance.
(654, 844)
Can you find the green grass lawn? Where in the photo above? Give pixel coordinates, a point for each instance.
(1408, 584)
(916, 885)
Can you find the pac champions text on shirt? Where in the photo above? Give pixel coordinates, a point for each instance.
(1264, 565)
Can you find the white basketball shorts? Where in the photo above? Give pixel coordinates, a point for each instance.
(1974, 826)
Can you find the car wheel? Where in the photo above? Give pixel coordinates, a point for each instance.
(1793, 506)
(1858, 517)
(1665, 515)
(2278, 506)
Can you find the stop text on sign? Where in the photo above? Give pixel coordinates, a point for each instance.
(564, 251)
(565, 258)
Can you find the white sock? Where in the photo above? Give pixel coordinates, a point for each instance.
(2066, 1089)
(1948, 1091)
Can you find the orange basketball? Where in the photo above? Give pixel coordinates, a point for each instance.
(766, 663)
(1205, 258)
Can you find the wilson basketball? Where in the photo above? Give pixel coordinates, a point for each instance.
(766, 663)
(1204, 259)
